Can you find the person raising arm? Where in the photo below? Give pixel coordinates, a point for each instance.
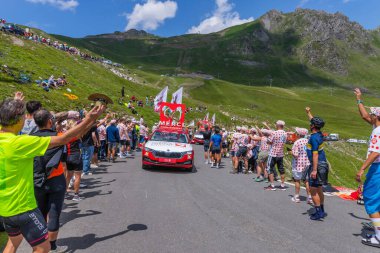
(363, 112)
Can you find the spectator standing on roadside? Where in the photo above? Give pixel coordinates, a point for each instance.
(371, 188)
(319, 168)
(123, 138)
(88, 143)
(113, 139)
(102, 138)
(49, 180)
(300, 164)
(29, 125)
(18, 209)
(74, 163)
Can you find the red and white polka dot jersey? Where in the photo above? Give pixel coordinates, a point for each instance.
(278, 140)
(374, 143)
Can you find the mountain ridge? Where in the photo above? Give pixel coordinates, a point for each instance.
(301, 48)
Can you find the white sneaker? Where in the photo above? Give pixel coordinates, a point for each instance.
(206, 162)
(59, 249)
(94, 166)
(296, 199)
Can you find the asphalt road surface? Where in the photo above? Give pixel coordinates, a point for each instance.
(127, 209)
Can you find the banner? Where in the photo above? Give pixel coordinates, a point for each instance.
(206, 117)
(213, 119)
(160, 98)
(177, 96)
(172, 115)
(192, 123)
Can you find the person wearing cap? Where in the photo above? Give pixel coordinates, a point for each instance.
(277, 141)
(371, 187)
(113, 139)
(319, 168)
(299, 164)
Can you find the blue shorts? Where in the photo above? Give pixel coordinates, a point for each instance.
(371, 189)
(206, 146)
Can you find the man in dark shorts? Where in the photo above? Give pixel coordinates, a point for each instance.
(319, 168)
(216, 148)
(49, 182)
(18, 210)
(277, 141)
(74, 165)
(207, 138)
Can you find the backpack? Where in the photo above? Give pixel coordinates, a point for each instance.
(44, 165)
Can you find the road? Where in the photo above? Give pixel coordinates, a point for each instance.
(127, 209)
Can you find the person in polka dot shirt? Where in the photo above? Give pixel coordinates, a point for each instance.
(300, 164)
(371, 187)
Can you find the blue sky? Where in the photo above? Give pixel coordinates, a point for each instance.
(78, 18)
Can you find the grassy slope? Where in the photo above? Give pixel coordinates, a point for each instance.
(254, 104)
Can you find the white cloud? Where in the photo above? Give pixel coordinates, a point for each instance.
(61, 4)
(222, 18)
(151, 14)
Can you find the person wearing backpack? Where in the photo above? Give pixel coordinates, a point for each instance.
(49, 179)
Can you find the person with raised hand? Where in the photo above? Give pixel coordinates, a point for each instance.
(319, 168)
(18, 209)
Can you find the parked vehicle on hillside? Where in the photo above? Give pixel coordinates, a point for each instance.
(352, 140)
(362, 141)
(332, 137)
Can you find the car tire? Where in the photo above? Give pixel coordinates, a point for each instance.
(144, 167)
(193, 169)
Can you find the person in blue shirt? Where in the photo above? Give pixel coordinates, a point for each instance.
(318, 171)
(113, 138)
(216, 148)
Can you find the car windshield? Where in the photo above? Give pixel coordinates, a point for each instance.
(169, 137)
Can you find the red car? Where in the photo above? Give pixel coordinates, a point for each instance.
(168, 147)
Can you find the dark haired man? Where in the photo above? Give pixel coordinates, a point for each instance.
(318, 171)
(207, 137)
(30, 126)
(216, 148)
(18, 209)
(49, 180)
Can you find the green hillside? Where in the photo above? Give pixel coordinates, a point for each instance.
(293, 88)
(298, 49)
